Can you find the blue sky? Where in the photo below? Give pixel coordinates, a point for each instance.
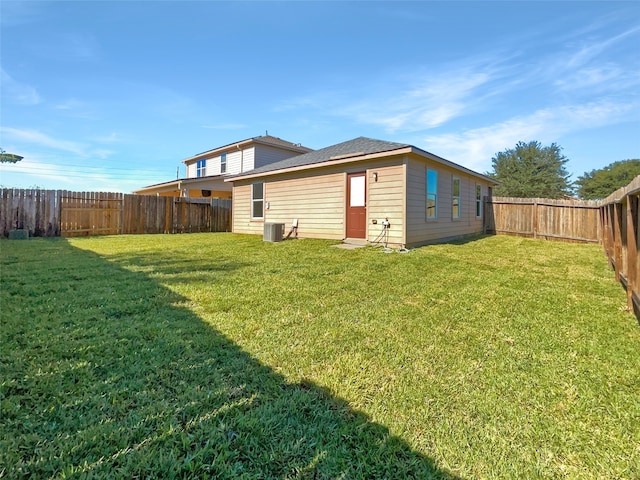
(113, 95)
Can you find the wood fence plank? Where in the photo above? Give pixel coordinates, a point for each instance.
(570, 220)
(5, 211)
(617, 241)
(67, 213)
(632, 248)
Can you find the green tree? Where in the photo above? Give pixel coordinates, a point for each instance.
(603, 182)
(9, 157)
(531, 170)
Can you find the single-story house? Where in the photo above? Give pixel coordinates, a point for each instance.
(363, 190)
(206, 171)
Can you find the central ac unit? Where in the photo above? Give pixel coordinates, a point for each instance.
(273, 232)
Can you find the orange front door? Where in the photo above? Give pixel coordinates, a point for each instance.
(356, 205)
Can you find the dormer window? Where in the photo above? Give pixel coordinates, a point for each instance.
(201, 168)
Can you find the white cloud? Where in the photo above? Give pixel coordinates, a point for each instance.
(53, 172)
(593, 49)
(16, 92)
(474, 148)
(34, 171)
(594, 78)
(112, 137)
(74, 108)
(70, 104)
(33, 137)
(101, 153)
(593, 67)
(431, 102)
(421, 101)
(585, 69)
(26, 139)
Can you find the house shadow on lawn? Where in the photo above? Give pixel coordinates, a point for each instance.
(108, 375)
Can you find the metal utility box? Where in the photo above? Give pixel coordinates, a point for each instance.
(273, 232)
(19, 234)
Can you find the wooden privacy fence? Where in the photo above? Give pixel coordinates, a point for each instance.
(53, 213)
(568, 220)
(613, 221)
(620, 217)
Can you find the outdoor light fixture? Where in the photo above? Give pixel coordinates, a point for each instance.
(375, 176)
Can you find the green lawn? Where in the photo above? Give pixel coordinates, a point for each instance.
(221, 355)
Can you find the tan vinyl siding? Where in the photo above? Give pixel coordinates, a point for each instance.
(317, 202)
(191, 170)
(248, 160)
(266, 154)
(420, 230)
(386, 200)
(238, 161)
(317, 199)
(234, 161)
(241, 160)
(241, 211)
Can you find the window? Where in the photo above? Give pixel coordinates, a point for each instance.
(455, 198)
(257, 200)
(357, 191)
(432, 194)
(223, 163)
(478, 201)
(201, 168)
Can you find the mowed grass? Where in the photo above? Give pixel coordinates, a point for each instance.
(220, 355)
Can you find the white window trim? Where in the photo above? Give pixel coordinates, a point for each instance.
(201, 168)
(253, 200)
(459, 196)
(435, 196)
(223, 164)
(478, 201)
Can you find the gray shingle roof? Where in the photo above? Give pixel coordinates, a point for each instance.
(270, 139)
(356, 147)
(264, 139)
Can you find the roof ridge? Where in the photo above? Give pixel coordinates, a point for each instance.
(272, 139)
(277, 142)
(350, 148)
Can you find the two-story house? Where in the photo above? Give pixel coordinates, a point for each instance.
(206, 171)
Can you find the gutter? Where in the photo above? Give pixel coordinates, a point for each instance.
(301, 150)
(158, 185)
(361, 157)
(321, 163)
(453, 165)
(219, 149)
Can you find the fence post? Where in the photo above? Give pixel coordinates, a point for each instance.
(617, 239)
(632, 248)
(121, 215)
(535, 218)
(606, 228)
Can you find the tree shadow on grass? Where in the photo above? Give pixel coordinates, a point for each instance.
(106, 374)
